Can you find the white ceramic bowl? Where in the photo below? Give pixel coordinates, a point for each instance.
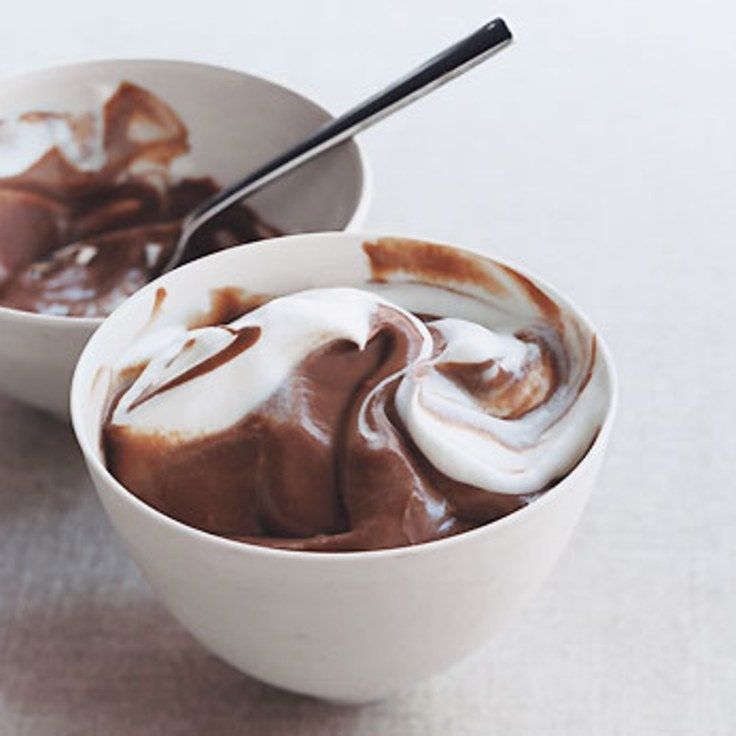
(236, 122)
(349, 626)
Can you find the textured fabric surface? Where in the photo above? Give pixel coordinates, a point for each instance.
(599, 153)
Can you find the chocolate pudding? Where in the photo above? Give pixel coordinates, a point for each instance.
(90, 208)
(334, 420)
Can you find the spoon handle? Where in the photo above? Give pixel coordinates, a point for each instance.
(447, 65)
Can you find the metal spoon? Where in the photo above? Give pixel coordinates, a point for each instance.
(447, 65)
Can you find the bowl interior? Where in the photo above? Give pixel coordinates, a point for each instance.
(236, 122)
(293, 263)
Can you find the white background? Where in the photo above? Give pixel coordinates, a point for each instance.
(599, 152)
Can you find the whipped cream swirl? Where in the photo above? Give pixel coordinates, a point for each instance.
(508, 412)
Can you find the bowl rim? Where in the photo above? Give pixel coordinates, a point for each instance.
(299, 556)
(357, 217)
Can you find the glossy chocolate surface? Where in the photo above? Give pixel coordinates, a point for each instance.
(299, 473)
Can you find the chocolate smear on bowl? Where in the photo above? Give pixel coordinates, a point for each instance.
(429, 263)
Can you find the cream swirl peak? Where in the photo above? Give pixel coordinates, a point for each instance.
(333, 419)
(504, 413)
(290, 329)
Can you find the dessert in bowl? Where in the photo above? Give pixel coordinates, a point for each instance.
(101, 160)
(344, 462)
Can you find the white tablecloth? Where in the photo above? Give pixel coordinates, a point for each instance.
(598, 152)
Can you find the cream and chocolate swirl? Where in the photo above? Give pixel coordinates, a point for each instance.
(91, 203)
(333, 420)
